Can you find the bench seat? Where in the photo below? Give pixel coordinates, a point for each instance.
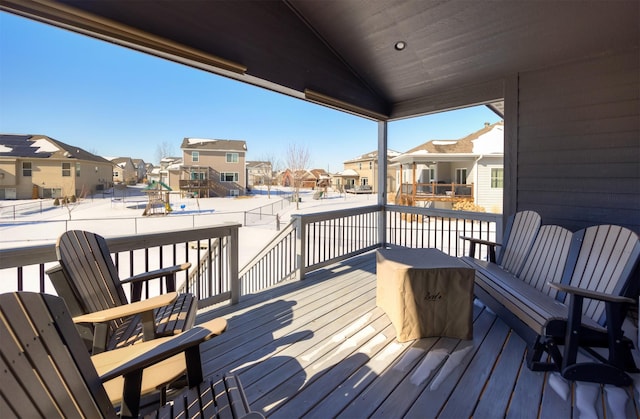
(536, 309)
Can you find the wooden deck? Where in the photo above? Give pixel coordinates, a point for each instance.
(321, 348)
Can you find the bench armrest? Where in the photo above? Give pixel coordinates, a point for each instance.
(127, 310)
(472, 247)
(594, 295)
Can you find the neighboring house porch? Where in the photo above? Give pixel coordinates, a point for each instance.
(443, 173)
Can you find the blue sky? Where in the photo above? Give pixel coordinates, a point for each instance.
(113, 101)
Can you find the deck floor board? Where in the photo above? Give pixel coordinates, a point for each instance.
(321, 348)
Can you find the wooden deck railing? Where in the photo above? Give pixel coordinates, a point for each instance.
(316, 240)
(309, 242)
(24, 268)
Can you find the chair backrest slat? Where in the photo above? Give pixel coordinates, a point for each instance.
(605, 262)
(86, 258)
(519, 239)
(547, 258)
(47, 370)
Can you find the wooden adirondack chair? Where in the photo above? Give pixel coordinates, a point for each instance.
(47, 371)
(88, 281)
(519, 235)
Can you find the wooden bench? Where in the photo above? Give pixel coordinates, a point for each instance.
(88, 281)
(47, 372)
(543, 301)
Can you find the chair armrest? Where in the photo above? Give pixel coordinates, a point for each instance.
(169, 273)
(158, 273)
(152, 352)
(594, 295)
(127, 310)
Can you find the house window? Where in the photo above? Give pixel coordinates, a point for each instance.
(370, 165)
(66, 169)
(364, 181)
(26, 168)
(195, 156)
(232, 157)
(359, 166)
(432, 174)
(77, 169)
(195, 175)
(115, 174)
(229, 177)
(234, 192)
(497, 178)
(461, 176)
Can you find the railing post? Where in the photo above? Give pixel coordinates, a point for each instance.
(301, 250)
(234, 268)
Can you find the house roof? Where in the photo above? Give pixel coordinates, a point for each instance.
(486, 141)
(348, 173)
(256, 164)
(347, 55)
(213, 144)
(373, 156)
(121, 161)
(42, 147)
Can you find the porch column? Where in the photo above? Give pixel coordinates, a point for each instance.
(382, 182)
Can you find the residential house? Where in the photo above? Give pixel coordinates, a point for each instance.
(124, 170)
(361, 173)
(445, 172)
(162, 172)
(37, 166)
(322, 178)
(213, 167)
(141, 169)
(259, 173)
(306, 178)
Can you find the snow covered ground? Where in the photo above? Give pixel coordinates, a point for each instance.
(119, 213)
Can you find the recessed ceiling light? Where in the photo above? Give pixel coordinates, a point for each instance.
(400, 45)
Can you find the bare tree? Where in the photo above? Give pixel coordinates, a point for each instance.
(164, 149)
(297, 160)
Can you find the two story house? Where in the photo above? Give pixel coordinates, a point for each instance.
(259, 173)
(124, 170)
(361, 174)
(213, 167)
(37, 166)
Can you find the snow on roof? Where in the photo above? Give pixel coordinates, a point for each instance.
(443, 142)
(200, 140)
(4, 149)
(491, 142)
(44, 146)
(348, 172)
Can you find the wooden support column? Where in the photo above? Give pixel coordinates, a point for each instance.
(382, 181)
(413, 187)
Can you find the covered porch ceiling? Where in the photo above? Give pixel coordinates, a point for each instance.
(346, 54)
